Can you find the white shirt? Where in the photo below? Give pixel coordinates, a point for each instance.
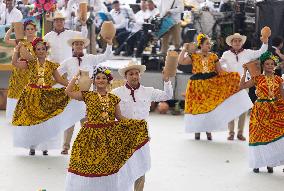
(194, 3)
(70, 21)
(210, 5)
(176, 10)
(120, 18)
(2, 12)
(71, 66)
(14, 16)
(153, 13)
(143, 96)
(229, 61)
(96, 4)
(59, 48)
(140, 18)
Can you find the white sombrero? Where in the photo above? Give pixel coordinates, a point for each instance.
(236, 35)
(78, 39)
(131, 65)
(57, 15)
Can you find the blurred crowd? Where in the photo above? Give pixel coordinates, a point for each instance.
(130, 18)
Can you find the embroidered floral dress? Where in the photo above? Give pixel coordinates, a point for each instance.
(206, 89)
(267, 117)
(266, 128)
(104, 145)
(39, 101)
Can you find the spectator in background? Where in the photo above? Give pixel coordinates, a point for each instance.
(12, 14)
(172, 8)
(141, 17)
(276, 46)
(69, 11)
(152, 12)
(23, 6)
(98, 6)
(108, 4)
(152, 9)
(2, 11)
(121, 18)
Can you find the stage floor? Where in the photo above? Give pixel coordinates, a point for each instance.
(179, 163)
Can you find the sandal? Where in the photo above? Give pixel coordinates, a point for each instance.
(209, 136)
(241, 137)
(256, 170)
(64, 152)
(270, 169)
(32, 152)
(197, 136)
(231, 136)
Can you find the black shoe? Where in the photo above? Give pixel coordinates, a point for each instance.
(197, 136)
(44, 153)
(32, 152)
(270, 169)
(209, 136)
(256, 170)
(127, 54)
(116, 53)
(138, 55)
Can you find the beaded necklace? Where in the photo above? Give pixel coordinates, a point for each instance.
(40, 73)
(204, 63)
(270, 81)
(105, 106)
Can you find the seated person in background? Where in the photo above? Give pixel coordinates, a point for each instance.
(121, 18)
(152, 12)
(152, 9)
(23, 6)
(137, 35)
(11, 14)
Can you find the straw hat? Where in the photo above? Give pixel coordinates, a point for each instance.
(236, 35)
(57, 15)
(131, 65)
(78, 39)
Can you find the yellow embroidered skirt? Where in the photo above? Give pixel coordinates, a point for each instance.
(17, 82)
(204, 95)
(266, 132)
(37, 105)
(266, 122)
(102, 149)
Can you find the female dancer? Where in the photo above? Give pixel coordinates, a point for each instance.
(266, 128)
(42, 111)
(207, 107)
(107, 154)
(19, 77)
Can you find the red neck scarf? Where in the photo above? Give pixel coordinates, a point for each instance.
(59, 32)
(132, 90)
(237, 52)
(78, 56)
